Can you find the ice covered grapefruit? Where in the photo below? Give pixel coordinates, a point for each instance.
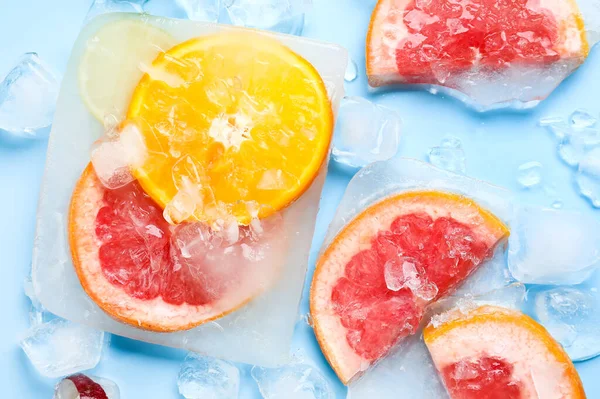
(498, 353)
(147, 273)
(372, 283)
(423, 41)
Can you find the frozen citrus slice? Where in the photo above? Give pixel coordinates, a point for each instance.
(420, 41)
(247, 115)
(498, 353)
(158, 277)
(114, 60)
(374, 280)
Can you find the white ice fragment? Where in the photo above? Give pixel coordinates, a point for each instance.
(551, 121)
(402, 273)
(114, 155)
(28, 96)
(572, 316)
(202, 377)
(60, 347)
(587, 177)
(351, 71)
(274, 179)
(228, 230)
(529, 174)
(66, 389)
(449, 156)
(581, 119)
(549, 246)
(293, 381)
(285, 16)
(365, 132)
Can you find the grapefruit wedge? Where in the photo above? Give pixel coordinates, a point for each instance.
(372, 283)
(144, 272)
(421, 41)
(498, 353)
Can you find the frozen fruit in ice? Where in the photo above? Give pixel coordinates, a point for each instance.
(549, 246)
(430, 241)
(256, 125)
(80, 386)
(60, 347)
(203, 377)
(293, 381)
(365, 132)
(28, 96)
(478, 47)
(285, 16)
(144, 272)
(495, 352)
(115, 58)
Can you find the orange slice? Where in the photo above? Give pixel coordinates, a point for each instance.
(240, 116)
(359, 312)
(498, 353)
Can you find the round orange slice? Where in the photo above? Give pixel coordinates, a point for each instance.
(144, 272)
(372, 283)
(498, 353)
(424, 41)
(240, 116)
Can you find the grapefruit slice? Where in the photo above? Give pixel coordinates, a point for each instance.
(113, 62)
(421, 41)
(253, 116)
(144, 272)
(498, 353)
(373, 282)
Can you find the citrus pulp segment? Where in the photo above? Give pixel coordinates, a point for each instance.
(144, 272)
(114, 60)
(430, 240)
(413, 41)
(244, 119)
(498, 353)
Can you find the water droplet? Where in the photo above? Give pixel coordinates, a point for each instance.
(351, 71)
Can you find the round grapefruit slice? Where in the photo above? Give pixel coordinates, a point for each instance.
(372, 283)
(147, 273)
(498, 353)
(421, 41)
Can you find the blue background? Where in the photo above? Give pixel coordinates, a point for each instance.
(495, 145)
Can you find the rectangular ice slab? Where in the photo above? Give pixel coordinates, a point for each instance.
(259, 332)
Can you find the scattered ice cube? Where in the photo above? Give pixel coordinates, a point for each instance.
(28, 98)
(351, 71)
(549, 246)
(449, 155)
(529, 174)
(203, 377)
(201, 10)
(285, 16)
(581, 119)
(80, 386)
(293, 381)
(365, 132)
(60, 347)
(572, 316)
(587, 177)
(407, 372)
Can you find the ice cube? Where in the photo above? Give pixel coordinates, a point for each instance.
(365, 132)
(587, 177)
(529, 174)
(351, 71)
(28, 98)
(106, 6)
(549, 246)
(407, 372)
(37, 314)
(202, 377)
(581, 119)
(449, 155)
(80, 386)
(201, 10)
(572, 316)
(293, 381)
(60, 347)
(285, 16)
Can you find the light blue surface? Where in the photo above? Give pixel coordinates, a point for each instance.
(495, 145)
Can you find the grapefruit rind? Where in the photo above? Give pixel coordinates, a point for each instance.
(540, 363)
(356, 235)
(153, 314)
(162, 193)
(381, 43)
